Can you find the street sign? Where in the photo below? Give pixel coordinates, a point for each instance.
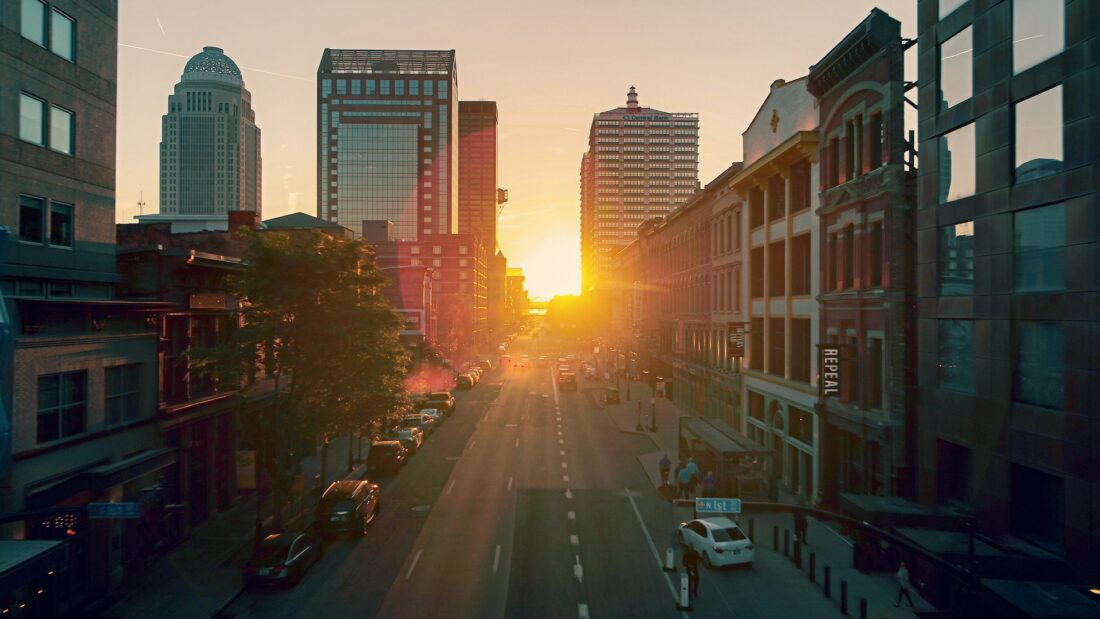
(113, 510)
(718, 506)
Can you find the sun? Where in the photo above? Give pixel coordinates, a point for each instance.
(552, 266)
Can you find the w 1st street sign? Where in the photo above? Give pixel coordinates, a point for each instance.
(718, 506)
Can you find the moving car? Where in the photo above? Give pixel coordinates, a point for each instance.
(442, 400)
(410, 438)
(387, 456)
(719, 541)
(281, 559)
(464, 381)
(348, 505)
(567, 381)
(542, 361)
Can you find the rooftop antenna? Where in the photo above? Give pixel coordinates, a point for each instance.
(141, 203)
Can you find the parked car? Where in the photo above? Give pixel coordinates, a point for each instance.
(417, 420)
(567, 381)
(464, 381)
(348, 505)
(387, 456)
(443, 400)
(719, 541)
(410, 438)
(435, 414)
(611, 395)
(485, 365)
(476, 372)
(281, 559)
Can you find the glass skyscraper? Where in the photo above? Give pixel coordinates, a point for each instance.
(386, 128)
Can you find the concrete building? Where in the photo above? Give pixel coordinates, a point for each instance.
(78, 368)
(640, 164)
(779, 239)
(477, 171)
(1008, 242)
(387, 125)
(210, 160)
(868, 309)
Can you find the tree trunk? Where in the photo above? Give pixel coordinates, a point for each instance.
(351, 460)
(324, 462)
(277, 479)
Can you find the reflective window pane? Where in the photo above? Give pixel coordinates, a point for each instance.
(956, 259)
(1038, 31)
(32, 119)
(30, 219)
(341, 87)
(1040, 239)
(948, 6)
(399, 87)
(957, 69)
(956, 355)
(33, 24)
(428, 87)
(1040, 363)
(378, 168)
(1039, 135)
(326, 87)
(61, 224)
(957, 164)
(61, 34)
(61, 130)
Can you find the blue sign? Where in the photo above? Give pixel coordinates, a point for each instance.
(113, 510)
(718, 506)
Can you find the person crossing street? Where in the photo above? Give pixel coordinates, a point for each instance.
(666, 466)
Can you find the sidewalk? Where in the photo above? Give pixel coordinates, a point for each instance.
(625, 417)
(202, 574)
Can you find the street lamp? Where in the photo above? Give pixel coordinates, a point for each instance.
(653, 413)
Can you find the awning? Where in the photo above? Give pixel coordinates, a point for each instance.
(100, 478)
(24, 561)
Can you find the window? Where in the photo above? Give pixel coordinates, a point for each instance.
(756, 208)
(1040, 363)
(849, 256)
(874, 372)
(414, 88)
(756, 344)
(462, 250)
(370, 87)
(62, 35)
(32, 119)
(957, 164)
(953, 471)
(428, 87)
(30, 218)
(385, 86)
(1040, 238)
(341, 87)
(947, 6)
(356, 88)
(122, 390)
(957, 68)
(800, 349)
(956, 259)
(33, 27)
(756, 265)
(800, 186)
(855, 140)
(61, 130)
(956, 355)
(877, 140)
(834, 162)
(1038, 31)
(776, 271)
(437, 250)
(801, 264)
(399, 87)
(1039, 135)
(777, 198)
(61, 406)
(776, 331)
(874, 241)
(756, 405)
(61, 224)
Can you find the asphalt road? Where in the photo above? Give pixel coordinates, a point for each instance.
(526, 502)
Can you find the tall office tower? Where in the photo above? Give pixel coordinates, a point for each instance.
(210, 144)
(386, 129)
(641, 163)
(477, 171)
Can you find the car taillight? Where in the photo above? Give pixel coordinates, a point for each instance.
(718, 549)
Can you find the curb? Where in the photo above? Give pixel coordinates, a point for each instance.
(227, 603)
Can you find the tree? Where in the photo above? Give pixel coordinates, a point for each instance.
(313, 320)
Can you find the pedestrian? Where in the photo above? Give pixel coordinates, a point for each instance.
(710, 484)
(800, 525)
(691, 566)
(666, 464)
(686, 481)
(694, 468)
(903, 585)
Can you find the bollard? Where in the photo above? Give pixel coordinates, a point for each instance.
(684, 601)
(670, 560)
(798, 553)
(862, 608)
(752, 530)
(775, 538)
(828, 581)
(844, 597)
(786, 543)
(813, 567)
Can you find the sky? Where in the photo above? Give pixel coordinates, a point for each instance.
(549, 65)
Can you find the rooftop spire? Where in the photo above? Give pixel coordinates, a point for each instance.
(632, 98)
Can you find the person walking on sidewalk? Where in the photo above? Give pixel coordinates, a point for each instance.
(686, 480)
(665, 464)
(691, 566)
(903, 585)
(710, 485)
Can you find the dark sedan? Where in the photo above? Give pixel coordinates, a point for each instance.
(282, 559)
(348, 505)
(387, 456)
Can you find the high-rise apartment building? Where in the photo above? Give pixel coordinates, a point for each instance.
(1008, 240)
(210, 145)
(641, 163)
(386, 137)
(477, 171)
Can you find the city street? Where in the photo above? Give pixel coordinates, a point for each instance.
(527, 502)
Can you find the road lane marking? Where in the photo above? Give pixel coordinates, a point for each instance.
(578, 571)
(561, 451)
(517, 442)
(561, 442)
(565, 478)
(559, 432)
(582, 611)
(496, 559)
(413, 566)
(509, 484)
(568, 493)
(652, 546)
(473, 442)
(834, 532)
(485, 418)
(451, 486)
(575, 540)
(564, 465)
(510, 425)
(572, 515)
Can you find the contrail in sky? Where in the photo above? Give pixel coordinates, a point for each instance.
(157, 51)
(160, 25)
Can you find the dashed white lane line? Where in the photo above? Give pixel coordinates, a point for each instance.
(560, 441)
(473, 442)
(561, 451)
(564, 465)
(565, 478)
(572, 515)
(451, 486)
(413, 566)
(496, 559)
(578, 571)
(517, 442)
(509, 484)
(575, 540)
(582, 611)
(568, 493)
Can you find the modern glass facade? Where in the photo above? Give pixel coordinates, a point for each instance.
(385, 135)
